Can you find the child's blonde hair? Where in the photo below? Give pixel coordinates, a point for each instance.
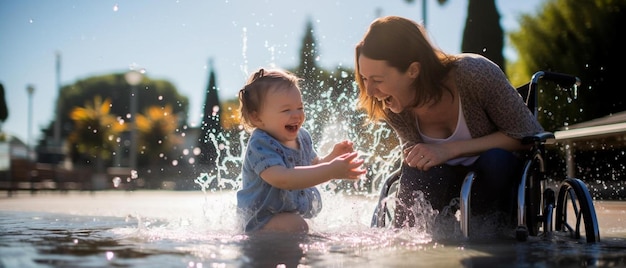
(252, 95)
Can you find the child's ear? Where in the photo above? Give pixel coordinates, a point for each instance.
(254, 117)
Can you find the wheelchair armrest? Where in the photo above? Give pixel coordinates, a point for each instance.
(541, 137)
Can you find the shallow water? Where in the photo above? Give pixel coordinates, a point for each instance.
(193, 229)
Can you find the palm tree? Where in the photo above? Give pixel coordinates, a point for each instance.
(96, 132)
(157, 133)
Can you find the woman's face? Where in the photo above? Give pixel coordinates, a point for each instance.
(388, 85)
(282, 115)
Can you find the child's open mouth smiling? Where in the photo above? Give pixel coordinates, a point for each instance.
(292, 128)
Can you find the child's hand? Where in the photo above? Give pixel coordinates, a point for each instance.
(348, 166)
(341, 148)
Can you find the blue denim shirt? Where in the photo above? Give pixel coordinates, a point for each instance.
(257, 200)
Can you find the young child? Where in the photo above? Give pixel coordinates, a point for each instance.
(280, 166)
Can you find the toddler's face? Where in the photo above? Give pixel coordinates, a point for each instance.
(282, 115)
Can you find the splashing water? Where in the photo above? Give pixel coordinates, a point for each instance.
(329, 123)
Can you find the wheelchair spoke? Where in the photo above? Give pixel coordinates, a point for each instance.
(577, 212)
(565, 223)
(572, 196)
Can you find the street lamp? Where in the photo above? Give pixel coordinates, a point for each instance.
(133, 78)
(30, 89)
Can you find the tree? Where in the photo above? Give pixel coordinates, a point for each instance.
(230, 118)
(307, 68)
(4, 110)
(581, 38)
(96, 132)
(114, 87)
(310, 73)
(211, 123)
(483, 33)
(158, 138)
(157, 133)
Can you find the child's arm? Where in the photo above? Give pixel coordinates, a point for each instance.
(345, 166)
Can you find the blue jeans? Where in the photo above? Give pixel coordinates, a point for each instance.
(497, 174)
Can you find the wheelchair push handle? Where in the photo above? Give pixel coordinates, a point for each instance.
(562, 80)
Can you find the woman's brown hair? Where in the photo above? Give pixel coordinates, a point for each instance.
(400, 42)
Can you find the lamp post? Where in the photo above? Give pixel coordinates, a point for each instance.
(133, 78)
(30, 89)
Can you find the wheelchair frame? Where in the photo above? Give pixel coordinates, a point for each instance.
(536, 201)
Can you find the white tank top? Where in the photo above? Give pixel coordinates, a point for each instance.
(460, 133)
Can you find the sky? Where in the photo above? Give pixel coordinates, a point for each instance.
(182, 40)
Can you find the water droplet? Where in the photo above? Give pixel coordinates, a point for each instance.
(116, 182)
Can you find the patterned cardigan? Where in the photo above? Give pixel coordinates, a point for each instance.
(489, 103)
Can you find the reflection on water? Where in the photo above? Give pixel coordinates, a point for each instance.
(192, 229)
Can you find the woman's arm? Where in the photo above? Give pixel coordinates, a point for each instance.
(425, 156)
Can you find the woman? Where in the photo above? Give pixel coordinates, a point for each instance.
(452, 113)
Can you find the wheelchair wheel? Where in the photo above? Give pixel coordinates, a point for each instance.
(383, 214)
(533, 198)
(548, 208)
(533, 206)
(575, 213)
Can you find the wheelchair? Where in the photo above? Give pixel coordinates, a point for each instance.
(540, 212)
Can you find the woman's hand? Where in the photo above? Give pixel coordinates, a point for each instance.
(425, 156)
